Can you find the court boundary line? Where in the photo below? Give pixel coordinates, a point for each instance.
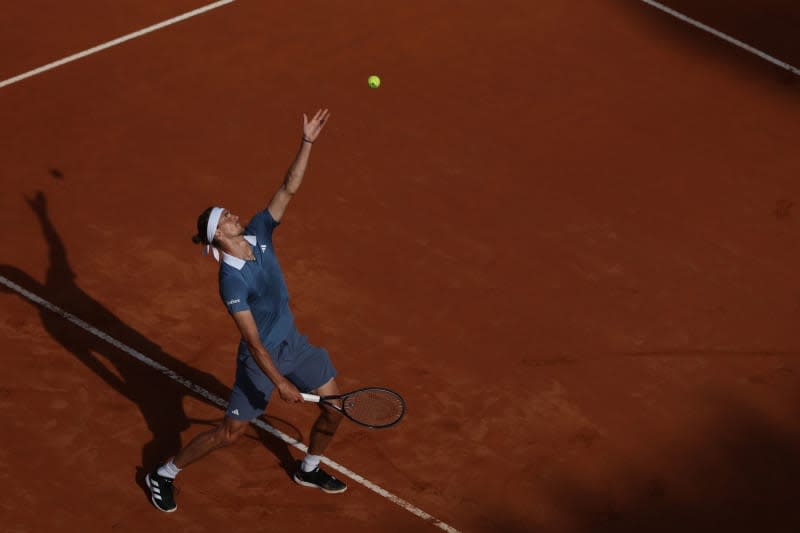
(114, 42)
(724, 36)
(661, 7)
(214, 399)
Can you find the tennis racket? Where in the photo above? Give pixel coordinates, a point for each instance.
(373, 407)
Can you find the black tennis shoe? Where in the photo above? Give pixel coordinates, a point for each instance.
(160, 488)
(320, 479)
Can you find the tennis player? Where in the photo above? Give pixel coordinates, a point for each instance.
(272, 354)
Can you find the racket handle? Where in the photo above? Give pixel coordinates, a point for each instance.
(310, 397)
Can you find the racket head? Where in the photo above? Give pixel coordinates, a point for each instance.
(373, 407)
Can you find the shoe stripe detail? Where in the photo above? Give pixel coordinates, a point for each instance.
(162, 502)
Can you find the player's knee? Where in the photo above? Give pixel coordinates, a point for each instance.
(228, 433)
(331, 416)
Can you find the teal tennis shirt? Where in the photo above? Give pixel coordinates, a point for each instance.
(258, 285)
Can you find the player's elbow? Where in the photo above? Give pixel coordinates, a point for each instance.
(288, 189)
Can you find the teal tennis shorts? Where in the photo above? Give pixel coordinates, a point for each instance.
(305, 365)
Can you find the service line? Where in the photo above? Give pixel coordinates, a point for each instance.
(724, 36)
(115, 42)
(214, 399)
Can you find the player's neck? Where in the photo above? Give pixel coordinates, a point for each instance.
(240, 248)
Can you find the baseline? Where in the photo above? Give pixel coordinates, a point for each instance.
(114, 42)
(724, 36)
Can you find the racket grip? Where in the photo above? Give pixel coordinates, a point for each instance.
(310, 397)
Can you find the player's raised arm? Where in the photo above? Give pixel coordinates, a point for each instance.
(294, 176)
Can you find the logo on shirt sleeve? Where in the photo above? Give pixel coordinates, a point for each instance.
(234, 301)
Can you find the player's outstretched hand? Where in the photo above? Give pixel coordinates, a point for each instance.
(289, 392)
(311, 128)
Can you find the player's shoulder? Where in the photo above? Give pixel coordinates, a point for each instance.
(261, 220)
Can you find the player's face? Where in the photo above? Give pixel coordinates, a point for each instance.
(229, 224)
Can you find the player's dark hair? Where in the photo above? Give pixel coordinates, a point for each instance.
(202, 225)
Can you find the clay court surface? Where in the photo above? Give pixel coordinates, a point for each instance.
(567, 232)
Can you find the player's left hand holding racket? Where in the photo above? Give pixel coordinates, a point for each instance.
(373, 407)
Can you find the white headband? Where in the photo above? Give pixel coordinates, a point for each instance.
(211, 229)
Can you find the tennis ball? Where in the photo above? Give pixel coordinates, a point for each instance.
(374, 81)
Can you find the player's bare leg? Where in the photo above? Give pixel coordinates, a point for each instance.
(223, 435)
(309, 473)
(327, 423)
(159, 482)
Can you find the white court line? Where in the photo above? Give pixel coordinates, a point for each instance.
(222, 403)
(724, 36)
(115, 42)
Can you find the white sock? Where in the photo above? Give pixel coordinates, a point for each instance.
(310, 462)
(168, 470)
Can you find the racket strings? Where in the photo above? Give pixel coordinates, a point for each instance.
(374, 407)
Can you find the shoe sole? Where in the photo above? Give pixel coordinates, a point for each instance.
(153, 497)
(307, 484)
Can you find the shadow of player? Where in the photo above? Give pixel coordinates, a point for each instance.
(158, 397)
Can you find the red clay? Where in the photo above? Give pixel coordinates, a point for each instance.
(569, 238)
